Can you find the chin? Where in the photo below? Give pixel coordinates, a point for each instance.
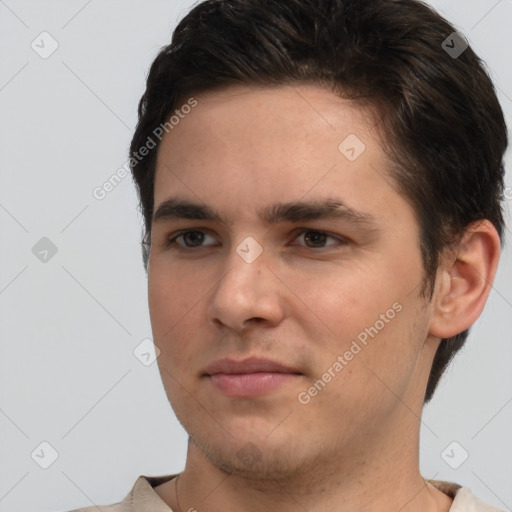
(260, 461)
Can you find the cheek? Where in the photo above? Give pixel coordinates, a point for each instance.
(172, 296)
(344, 301)
(174, 326)
(375, 322)
(177, 339)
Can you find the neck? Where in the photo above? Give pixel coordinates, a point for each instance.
(373, 486)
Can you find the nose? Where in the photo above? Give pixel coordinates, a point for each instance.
(249, 293)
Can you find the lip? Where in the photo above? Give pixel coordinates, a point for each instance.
(250, 384)
(251, 377)
(249, 365)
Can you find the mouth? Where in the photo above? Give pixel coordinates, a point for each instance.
(250, 377)
(249, 365)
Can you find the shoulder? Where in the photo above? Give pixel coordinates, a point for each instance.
(140, 497)
(123, 506)
(115, 507)
(463, 499)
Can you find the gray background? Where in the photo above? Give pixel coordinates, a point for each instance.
(69, 326)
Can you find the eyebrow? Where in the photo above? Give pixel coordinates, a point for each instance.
(294, 211)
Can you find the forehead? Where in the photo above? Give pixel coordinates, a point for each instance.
(275, 114)
(249, 146)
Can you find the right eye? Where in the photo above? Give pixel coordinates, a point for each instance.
(192, 239)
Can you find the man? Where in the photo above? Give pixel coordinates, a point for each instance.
(322, 228)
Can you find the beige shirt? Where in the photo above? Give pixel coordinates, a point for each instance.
(143, 498)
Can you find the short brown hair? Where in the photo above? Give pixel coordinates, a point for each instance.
(447, 129)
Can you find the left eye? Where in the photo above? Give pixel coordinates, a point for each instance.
(316, 238)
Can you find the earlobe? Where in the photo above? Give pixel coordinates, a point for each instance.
(464, 280)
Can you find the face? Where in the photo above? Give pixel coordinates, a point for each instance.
(329, 289)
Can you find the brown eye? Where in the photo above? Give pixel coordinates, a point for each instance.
(191, 239)
(315, 238)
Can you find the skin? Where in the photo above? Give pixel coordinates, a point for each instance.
(355, 445)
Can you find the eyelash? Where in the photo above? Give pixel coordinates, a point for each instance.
(172, 240)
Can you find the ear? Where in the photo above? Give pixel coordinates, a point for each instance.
(464, 280)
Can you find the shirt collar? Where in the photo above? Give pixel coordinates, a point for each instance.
(143, 497)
